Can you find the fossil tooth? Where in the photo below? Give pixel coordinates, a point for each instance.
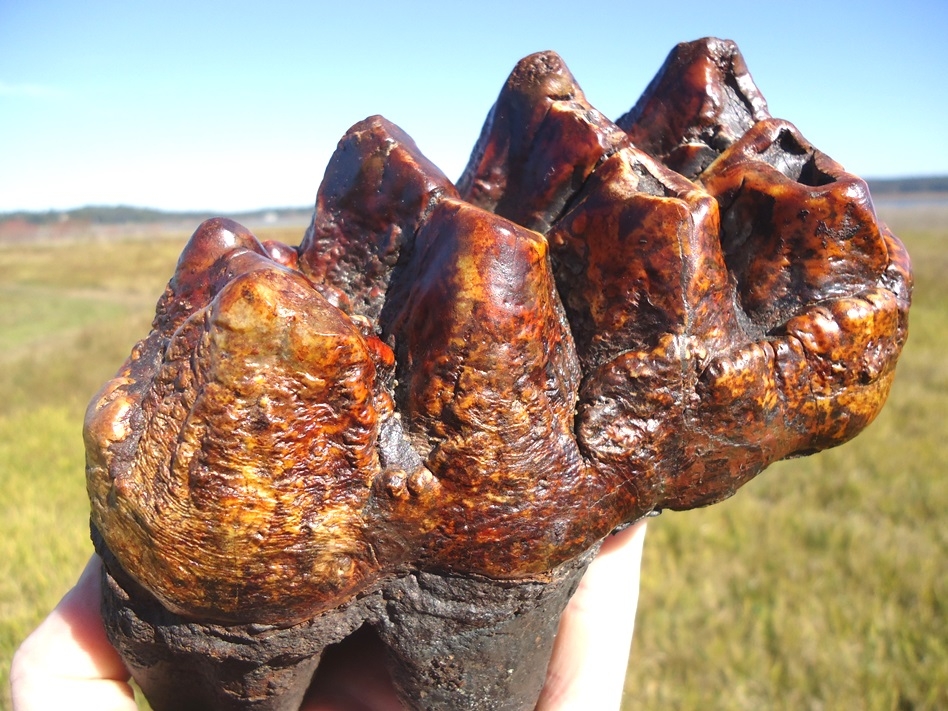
(425, 419)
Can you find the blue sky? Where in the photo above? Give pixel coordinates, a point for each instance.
(235, 106)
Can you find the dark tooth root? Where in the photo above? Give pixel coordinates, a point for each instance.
(452, 643)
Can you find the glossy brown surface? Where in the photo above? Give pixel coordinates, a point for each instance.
(600, 322)
(701, 101)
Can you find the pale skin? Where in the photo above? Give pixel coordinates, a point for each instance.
(67, 662)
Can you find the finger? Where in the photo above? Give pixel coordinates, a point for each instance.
(591, 652)
(67, 662)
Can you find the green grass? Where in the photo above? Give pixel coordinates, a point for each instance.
(821, 585)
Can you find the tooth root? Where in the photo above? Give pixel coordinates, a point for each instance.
(476, 644)
(453, 643)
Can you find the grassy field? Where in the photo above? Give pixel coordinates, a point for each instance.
(821, 585)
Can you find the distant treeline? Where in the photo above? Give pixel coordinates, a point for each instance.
(891, 186)
(123, 214)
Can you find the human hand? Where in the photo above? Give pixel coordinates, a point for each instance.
(591, 652)
(67, 662)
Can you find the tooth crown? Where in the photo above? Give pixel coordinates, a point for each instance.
(602, 320)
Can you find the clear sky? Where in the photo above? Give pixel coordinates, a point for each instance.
(232, 106)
